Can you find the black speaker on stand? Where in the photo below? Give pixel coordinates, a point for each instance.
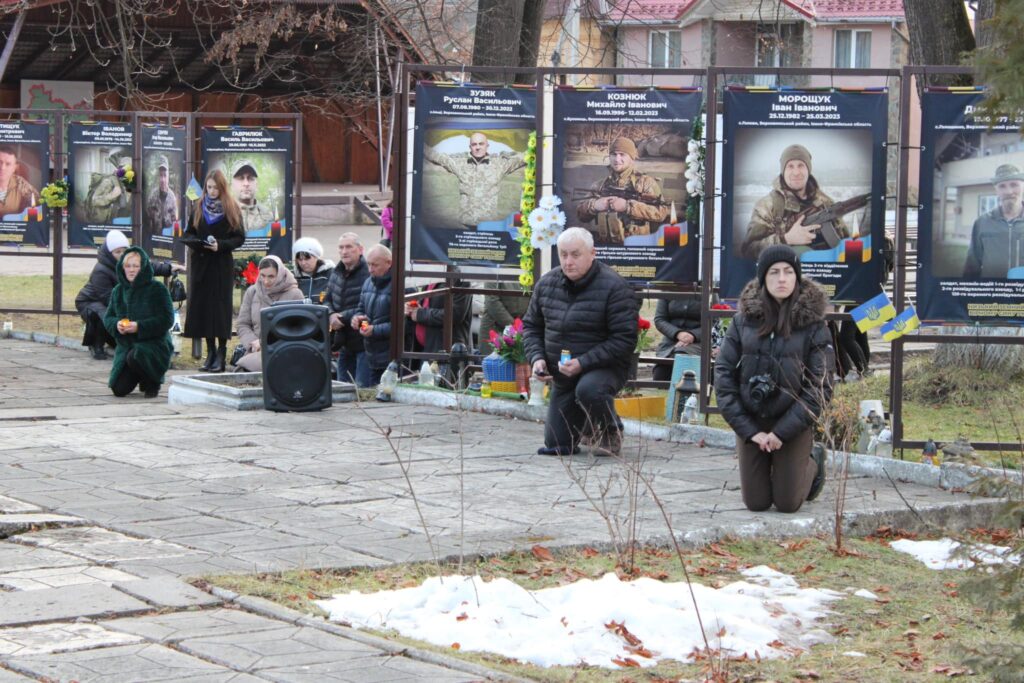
(296, 354)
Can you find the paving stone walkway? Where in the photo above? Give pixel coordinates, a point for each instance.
(107, 505)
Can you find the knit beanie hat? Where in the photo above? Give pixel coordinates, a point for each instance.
(624, 145)
(792, 152)
(309, 245)
(774, 254)
(115, 240)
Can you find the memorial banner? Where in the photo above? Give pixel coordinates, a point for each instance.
(469, 171)
(100, 198)
(259, 167)
(24, 170)
(163, 185)
(970, 227)
(619, 165)
(805, 168)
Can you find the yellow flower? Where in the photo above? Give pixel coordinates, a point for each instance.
(526, 279)
(526, 249)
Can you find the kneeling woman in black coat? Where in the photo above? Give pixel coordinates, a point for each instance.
(139, 317)
(773, 380)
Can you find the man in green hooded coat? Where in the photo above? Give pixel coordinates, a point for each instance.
(139, 318)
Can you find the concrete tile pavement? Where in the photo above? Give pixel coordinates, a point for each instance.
(161, 493)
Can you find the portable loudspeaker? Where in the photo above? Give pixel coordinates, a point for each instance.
(296, 354)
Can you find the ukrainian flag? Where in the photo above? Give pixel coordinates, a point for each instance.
(873, 312)
(905, 322)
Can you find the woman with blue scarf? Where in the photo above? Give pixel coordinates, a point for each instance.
(215, 232)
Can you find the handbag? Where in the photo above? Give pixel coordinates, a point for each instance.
(237, 355)
(177, 289)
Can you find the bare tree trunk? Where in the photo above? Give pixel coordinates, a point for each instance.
(983, 32)
(529, 41)
(499, 25)
(940, 34)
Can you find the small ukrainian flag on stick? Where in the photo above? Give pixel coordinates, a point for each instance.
(873, 312)
(906, 321)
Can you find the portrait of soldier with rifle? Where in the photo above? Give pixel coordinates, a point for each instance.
(626, 203)
(797, 212)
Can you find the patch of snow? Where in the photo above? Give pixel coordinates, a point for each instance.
(866, 594)
(939, 554)
(767, 615)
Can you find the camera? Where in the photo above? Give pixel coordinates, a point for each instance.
(761, 388)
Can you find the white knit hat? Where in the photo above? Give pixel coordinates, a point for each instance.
(309, 245)
(115, 240)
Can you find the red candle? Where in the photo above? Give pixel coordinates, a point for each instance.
(33, 214)
(276, 225)
(854, 251)
(672, 235)
(177, 229)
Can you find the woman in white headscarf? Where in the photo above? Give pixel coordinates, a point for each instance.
(275, 283)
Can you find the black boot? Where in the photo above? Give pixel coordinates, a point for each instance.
(211, 355)
(99, 351)
(218, 363)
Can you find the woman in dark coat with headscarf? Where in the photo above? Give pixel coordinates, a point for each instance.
(216, 231)
(773, 380)
(92, 299)
(139, 317)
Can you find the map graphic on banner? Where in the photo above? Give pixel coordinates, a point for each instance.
(619, 164)
(100, 201)
(163, 181)
(805, 168)
(258, 163)
(24, 168)
(970, 227)
(469, 170)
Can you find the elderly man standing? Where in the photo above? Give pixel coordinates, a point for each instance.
(627, 202)
(586, 308)
(372, 318)
(479, 175)
(997, 237)
(343, 287)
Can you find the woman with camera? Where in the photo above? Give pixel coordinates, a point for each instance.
(773, 380)
(215, 232)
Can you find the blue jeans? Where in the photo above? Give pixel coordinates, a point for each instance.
(352, 364)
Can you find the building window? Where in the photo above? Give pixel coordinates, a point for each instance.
(986, 203)
(666, 49)
(853, 49)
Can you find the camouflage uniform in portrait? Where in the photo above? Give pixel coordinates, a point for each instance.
(627, 202)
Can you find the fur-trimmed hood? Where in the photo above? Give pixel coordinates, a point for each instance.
(808, 309)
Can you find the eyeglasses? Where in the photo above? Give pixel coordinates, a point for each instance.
(303, 255)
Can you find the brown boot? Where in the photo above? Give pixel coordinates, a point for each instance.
(610, 444)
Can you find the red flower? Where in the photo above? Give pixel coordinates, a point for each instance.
(251, 273)
(643, 324)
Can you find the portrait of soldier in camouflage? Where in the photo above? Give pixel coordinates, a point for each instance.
(479, 175)
(626, 202)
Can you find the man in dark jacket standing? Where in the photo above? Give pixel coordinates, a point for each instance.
(342, 298)
(372, 318)
(583, 307)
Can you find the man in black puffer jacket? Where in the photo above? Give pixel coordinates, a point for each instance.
(587, 309)
(343, 288)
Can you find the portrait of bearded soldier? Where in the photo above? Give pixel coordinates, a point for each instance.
(627, 202)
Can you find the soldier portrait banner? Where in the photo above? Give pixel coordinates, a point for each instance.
(258, 163)
(24, 170)
(468, 157)
(970, 226)
(805, 168)
(100, 199)
(163, 183)
(619, 165)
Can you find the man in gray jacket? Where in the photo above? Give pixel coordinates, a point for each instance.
(585, 308)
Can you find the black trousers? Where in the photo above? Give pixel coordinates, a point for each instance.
(131, 377)
(582, 405)
(95, 333)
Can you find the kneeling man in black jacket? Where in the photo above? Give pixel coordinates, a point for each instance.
(586, 310)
